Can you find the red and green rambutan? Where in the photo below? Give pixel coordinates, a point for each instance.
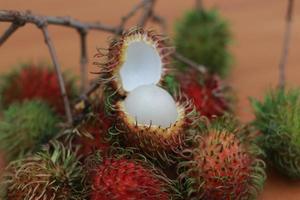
(34, 82)
(209, 94)
(129, 176)
(25, 127)
(222, 163)
(149, 118)
(52, 174)
(278, 120)
(204, 37)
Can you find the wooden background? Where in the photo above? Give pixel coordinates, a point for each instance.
(257, 27)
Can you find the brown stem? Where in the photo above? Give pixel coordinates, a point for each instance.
(199, 5)
(148, 10)
(83, 60)
(11, 29)
(189, 62)
(28, 17)
(53, 55)
(286, 43)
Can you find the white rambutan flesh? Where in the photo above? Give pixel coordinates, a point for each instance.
(142, 65)
(151, 105)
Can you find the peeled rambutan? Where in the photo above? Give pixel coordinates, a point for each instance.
(222, 164)
(54, 173)
(148, 116)
(210, 96)
(138, 57)
(33, 82)
(25, 127)
(277, 118)
(121, 177)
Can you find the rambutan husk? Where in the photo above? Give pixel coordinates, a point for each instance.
(222, 162)
(52, 174)
(115, 57)
(123, 174)
(159, 143)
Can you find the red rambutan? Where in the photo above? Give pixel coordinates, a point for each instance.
(34, 82)
(222, 165)
(121, 177)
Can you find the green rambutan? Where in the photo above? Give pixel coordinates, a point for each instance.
(221, 164)
(52, 174)
(129, 176)
(278, 120)
(25, 127)
(203, 36)
(34, 82)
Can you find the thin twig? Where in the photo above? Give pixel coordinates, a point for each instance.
(53, 55)
(189, 62)
(148, 10)
(28, 17)
(286, 43)
(83, 60)
(161, 21)
(11, 29)
(199, 5)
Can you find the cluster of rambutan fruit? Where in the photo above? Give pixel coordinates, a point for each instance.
(148, 132)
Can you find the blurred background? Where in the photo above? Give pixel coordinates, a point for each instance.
(257, 27)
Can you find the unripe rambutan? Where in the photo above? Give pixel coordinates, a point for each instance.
(278, 119)
(210, 96)
(54, 173)
(25, 127)
(203, 36)
(222, 164)
(124, 177)
(148, 116)
(33, 82)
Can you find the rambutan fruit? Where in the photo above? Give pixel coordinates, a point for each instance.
(204, 37)
(222, 163)
(148, 116)
(278, 120)
(25, 127)
(54, 173)
(209, 94)
(34, 82)
(91, 135)
(130, 177)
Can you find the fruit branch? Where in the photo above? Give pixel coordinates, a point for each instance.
(53, 55)
(199, 5)
(83, 60)
(286, 44)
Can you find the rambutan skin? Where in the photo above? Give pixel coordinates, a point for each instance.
(277, 119)
(123, 179)
(25, 127)
(114, 57)
(54, 173)
(222, 165)
(34, 82)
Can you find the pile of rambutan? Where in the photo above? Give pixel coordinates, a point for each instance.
(146, 133)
